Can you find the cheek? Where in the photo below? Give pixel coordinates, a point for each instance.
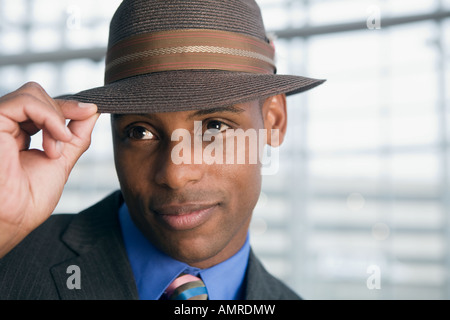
(245, 188)
(131, 169)
(123, 163)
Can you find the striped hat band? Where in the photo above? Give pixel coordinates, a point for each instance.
(188, 49)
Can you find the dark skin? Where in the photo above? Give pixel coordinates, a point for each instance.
(157, 190)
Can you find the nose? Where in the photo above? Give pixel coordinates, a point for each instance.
(172, 174)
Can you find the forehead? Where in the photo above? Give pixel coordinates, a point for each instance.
(237, 109)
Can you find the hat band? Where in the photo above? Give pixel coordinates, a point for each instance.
(189, 49)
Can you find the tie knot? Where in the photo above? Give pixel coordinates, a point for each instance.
(186, 287)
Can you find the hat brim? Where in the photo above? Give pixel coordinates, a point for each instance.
(171, 91)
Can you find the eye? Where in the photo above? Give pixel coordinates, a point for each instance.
(140, 133)
(217, 125)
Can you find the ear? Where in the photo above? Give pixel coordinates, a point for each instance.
(275, 118)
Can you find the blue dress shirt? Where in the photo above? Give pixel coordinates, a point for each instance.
(154, 270)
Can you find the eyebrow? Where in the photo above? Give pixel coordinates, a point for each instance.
(230, 109)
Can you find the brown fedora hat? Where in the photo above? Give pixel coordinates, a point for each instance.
(177, 55)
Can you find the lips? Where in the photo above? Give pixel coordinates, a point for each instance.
(185, 216)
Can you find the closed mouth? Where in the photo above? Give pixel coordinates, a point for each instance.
(188, 216)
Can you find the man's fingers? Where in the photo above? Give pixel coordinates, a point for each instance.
(75, 110)
(32, 104)
(83, 117)
(82, 131)
(52, 148)
(25, 107)
(30, 109)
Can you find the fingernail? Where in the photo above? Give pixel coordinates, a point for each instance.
(86, 105)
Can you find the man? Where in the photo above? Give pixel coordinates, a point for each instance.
(176, 229)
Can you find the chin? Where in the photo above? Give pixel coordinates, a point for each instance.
(196, 251)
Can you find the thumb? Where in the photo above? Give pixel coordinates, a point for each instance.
(82, 131)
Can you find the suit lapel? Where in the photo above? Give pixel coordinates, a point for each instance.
(255, 278)
(263, 286)
(103, 267)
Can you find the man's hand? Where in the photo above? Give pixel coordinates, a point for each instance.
(32, 181)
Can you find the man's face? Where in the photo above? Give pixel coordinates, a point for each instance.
(197, 213)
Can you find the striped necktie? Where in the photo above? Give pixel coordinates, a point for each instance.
(186, 287)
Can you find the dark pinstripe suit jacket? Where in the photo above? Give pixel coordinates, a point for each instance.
(92, 240)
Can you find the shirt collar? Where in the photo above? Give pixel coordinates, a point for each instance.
(154, 270)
